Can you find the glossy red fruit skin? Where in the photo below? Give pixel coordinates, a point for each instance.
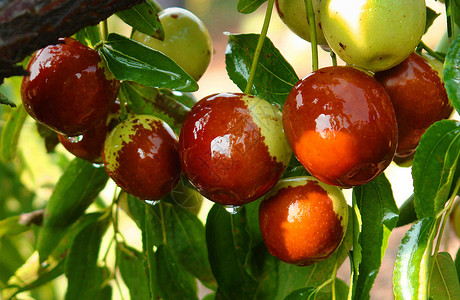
(242, 174)
(341, 125)
(91, 145)
(299, 224)
(419, 99)
(69, 89)
(141, 156)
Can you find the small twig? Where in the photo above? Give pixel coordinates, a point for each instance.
(260, 44)
(313, 39)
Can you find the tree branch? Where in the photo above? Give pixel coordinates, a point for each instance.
(28, 25)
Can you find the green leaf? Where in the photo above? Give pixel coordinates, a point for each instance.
(434, 167)
(379, 214)
(19, 224)
(90, 36)
(227, 241)
(131, 60)
(274, 78)
(185, 236)
(174, 282)
(308, 293)
(341, 291)
(452, 73)
(33, 273)
(74, 192)
(444, 282)
(249, 6)
(4, 100)
(81, 264)
(411, 272)
(10, 133)
(131, 265)
(147, 100)
(407, 213)
(186, 98)
(143, 17)
(431, 15)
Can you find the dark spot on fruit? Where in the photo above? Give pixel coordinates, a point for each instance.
(342, 46)
(174, 16)
(319, 25)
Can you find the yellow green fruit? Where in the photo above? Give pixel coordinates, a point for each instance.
(187, 40)
(293, 13)
(372, 34)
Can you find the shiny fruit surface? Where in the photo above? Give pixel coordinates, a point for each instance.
(294, 14)
(187, 40)
(419, 99)
(141, 156)
(232, 147)
(69, 89)
(303, 220)
(90, 145)
(341, 125)
(372, 34)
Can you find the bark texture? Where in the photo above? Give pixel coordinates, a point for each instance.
(28, 25)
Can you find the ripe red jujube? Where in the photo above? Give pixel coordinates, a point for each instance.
(419, 99)
(69, 88)
(341, 125)
(303, 220)
(91, 144)
(232, 147)
(141, 156)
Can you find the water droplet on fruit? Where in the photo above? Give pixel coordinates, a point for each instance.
(74, 139)
(98, 165)
(233, 209)
(152, 202)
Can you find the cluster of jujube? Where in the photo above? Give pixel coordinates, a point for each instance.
(71, 91)
(345, 124)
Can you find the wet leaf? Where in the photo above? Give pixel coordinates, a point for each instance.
(435, 167)
(411, 272)
(452, 73)
(143, 17)
(132, 61)
(227, 241)
(379, 214)
(274, 78)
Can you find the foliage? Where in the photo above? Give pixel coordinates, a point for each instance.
(81, 239)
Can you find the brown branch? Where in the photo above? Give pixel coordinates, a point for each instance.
(28, 25)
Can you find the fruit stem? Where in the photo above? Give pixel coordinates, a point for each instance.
(334, 58)
(260, 44)
(314, 43)
(105, 30)
(431, 52)
(445, 217)
(163, 228)
(450, 26)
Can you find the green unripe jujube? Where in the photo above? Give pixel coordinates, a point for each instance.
(187, 40)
